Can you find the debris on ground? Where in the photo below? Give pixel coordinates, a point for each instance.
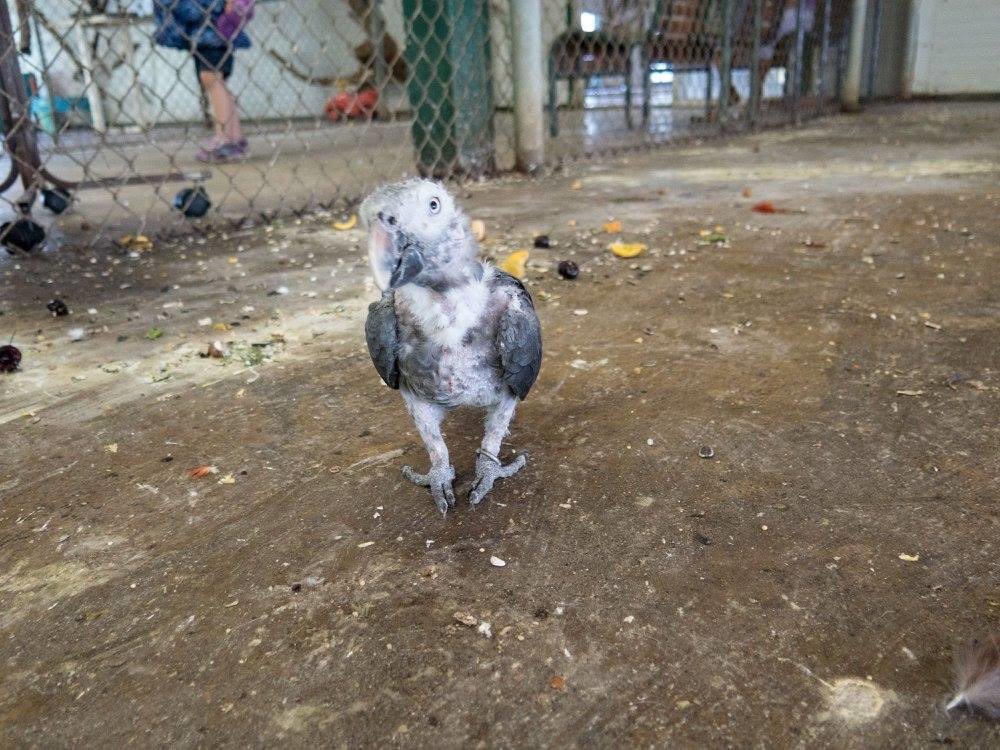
(466, 619)
(557, 682)
(22, 234)
(10, 358)
(612, 226)
(216, 350)
(193, 202)
(346, 224)
(136, 243)
(76, 334)
(767, 207)
(543, 242)
(57, 307)
(202, 471)
(154, 333)
(715, 236)
(568, 269)
(478, 227)
(496, 562)
(706, 451)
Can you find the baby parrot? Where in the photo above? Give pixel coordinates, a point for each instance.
(449, 330)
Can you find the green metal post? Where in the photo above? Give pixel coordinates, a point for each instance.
(450, 89)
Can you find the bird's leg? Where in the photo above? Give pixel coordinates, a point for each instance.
(428, 417)
(488, 465)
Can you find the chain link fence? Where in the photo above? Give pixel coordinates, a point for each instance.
(119, 117)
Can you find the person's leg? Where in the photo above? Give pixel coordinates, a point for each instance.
(233, 128)
(220, 101)
(214, 67)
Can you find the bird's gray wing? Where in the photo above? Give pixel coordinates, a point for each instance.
(383, 341)
(519, 337)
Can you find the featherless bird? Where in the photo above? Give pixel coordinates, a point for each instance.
(449, 331)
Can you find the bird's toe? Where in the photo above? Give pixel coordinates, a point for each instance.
(488, 471)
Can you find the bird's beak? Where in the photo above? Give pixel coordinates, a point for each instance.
(411, 263)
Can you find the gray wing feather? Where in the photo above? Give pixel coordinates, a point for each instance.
(519, 339)
(383, 341)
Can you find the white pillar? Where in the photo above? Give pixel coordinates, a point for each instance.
(850, 92)
(529, 83)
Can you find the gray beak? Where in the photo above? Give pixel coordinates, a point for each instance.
(411, 263)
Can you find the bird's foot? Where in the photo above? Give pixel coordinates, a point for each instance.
(439, 479)
(488, 470)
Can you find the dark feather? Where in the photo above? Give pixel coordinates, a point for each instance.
(977, 677)
(519, 339)
(383, 341)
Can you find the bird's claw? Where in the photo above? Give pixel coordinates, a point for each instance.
(489, 470)
(439, 479)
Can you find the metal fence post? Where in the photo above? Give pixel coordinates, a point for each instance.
(381, 66)
(756, 85)
(851, 90)
(824, 54)
(529, 83)
(873, 52)
(797, 65)
(726, 71)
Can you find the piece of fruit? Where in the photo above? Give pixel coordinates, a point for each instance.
(515, 264)
(612, 227)
(626, 249)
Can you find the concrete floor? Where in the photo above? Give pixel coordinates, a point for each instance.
(806, 587)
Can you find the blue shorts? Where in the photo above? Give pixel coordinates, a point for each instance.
(215, 59)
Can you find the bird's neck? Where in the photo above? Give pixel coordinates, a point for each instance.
(444, 280)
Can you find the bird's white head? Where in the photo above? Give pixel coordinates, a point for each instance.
(417, 234)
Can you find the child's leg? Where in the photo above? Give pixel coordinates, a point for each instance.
(220, 101)
(232, 126)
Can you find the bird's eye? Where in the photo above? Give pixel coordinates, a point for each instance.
(435, 205)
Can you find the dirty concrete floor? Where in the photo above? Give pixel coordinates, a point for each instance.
(805, 587)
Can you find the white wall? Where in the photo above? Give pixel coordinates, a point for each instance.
(954, 47)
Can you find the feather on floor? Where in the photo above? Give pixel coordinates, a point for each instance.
(977, 678)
